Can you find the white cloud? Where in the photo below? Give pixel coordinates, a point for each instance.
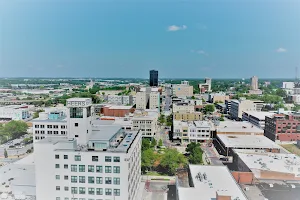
(281, 50)
(176, 28)
(200, 52)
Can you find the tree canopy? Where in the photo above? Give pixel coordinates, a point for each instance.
(12, 130)
(195, 153)
(172, 160)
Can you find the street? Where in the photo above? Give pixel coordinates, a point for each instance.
(15, 151)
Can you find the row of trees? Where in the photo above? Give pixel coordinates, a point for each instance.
(12, 130)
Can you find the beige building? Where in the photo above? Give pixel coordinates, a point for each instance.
(141, 100)
(183, 89)
(205, 87)
(254, 83)
(218, 98)
(240, 106)
(154, 100)
(185, 116)
(147, 97)
(183, 107)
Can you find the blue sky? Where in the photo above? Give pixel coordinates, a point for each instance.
(127, 38)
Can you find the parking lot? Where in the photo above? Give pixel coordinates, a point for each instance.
(19, 149)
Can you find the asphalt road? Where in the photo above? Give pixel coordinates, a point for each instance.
(14, 151)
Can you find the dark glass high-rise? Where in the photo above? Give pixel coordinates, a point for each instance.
(153, 78)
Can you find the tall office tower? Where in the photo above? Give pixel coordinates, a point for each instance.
(254, 83)
(153, 78)
(208, 82)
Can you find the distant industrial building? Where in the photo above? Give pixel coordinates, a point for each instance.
(14, 112)
(283, 127)
(153, 80)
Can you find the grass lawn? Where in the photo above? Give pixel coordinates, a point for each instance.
(292, 148)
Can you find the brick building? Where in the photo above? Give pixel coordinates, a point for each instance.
(283, 127)
(117, 111)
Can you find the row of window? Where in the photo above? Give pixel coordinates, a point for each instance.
(91, 179)
(37, 137)
(91, 191)
(94, 158)
(50, 132)
(50, 126)
(91, 168)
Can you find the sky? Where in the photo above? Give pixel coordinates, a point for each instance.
(127, 38)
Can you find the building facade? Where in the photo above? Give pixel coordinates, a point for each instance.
(256, 118)
(14, 112)
(93, 162)
(183, 89)
(237, 107)
(254, 83)
(183, 107)
(146, 123)
(283, 127)
(120, 100)
(187, 116)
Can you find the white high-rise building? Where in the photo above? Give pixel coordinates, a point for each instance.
(92, 162)
(148, 98)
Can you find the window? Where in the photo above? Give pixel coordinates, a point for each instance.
(116, 169)
(36, 126)
(107, 180)
(74, 190)
(91, 179)
(81, 168)
(66, 188)
(50, 132)
(81, 179)
(57, 198)
(56, 156)
(55, 126)
(116, 181)
(37, 132)
(76, 136)
(81, 190)
(57, 187)
(76, 112)
(56, 165)
(116, 159)
(57, 177)
(62, 126)
(73, 179)
(66, 198)
(66, 177)
(107, 169)
(66, 166)
(99, 169)
(65, 157)
(91, 190)
(95, 158)
(49, 126)
(77, 158)
(42, 132)
(107, 191)
(76, 124)
(99, 191)
(99, 180)
(55, 132)
(73, 168)
(63, 132)
(116, 192)
(42, 126)
(91, 168)
(107, 159)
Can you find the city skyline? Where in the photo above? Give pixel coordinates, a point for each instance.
(188, 39)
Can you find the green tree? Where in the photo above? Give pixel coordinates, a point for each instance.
(145, 144)
(5, 153)
(280, 92)
(169, 120)
(222, 119)
(195, 153)
(15, 129)
(160, 142)
(209, 108)
(153, 142)
(148, 158)
(172, 160)
(161, 119)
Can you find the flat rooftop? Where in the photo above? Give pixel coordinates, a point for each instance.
(259, 115)
(18, 179)
(218, 179)
(276, 162)
(104, 132)
(247, 141)
(235, 126)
